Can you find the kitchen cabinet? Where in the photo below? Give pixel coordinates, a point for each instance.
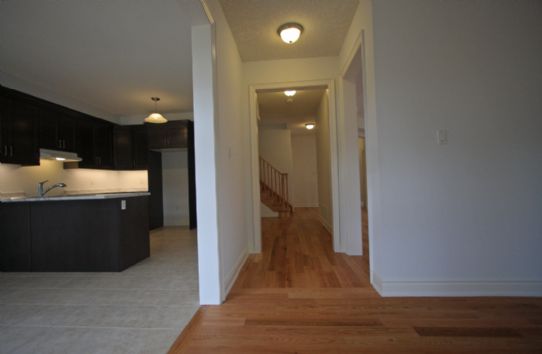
(56, 130)
(122, 147)
(171, 135)
(156, 199)
(130, 147)
(15, 237)
(59, 236)
(140, 147)
(84, 143)
(103, 146)
(17, 132)
(93, 144)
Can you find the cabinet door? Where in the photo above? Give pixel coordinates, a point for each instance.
(47, 130)
(84, 143)
(66, 132)
(23, 147)
(15, 237)
(140, 147)
(177, 134)
(157, 134)
(103, 145)
(122, 146)
(4, 150)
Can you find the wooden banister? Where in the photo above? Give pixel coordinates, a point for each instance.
(275, 183)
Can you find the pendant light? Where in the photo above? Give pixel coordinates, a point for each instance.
(155, 117)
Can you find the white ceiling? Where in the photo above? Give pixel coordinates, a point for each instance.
(254, 25)
(274, 109)
(112, 55)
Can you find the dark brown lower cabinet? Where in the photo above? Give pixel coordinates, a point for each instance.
(101, 235)
(15, 237)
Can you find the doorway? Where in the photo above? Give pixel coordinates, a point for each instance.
(272, 92)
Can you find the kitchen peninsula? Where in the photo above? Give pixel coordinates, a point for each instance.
(77, 233)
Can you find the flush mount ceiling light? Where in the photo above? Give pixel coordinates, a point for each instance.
(310, 126)
(290, 32)
(155, 117)
(290, 93)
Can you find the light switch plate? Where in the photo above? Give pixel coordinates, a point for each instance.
(442, 136)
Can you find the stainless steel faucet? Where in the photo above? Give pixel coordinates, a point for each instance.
(42, 192)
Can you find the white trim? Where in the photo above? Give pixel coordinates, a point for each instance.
(232, 277)
(371, 146)
(256, 242)
(326, 225)
(456, 288)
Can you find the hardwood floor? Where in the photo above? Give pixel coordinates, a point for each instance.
(300, 297)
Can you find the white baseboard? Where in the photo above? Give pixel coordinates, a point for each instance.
(230, 279)
(326, 225)
(456, 288)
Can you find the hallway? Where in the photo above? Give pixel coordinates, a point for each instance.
(298, 253)
(300, 297)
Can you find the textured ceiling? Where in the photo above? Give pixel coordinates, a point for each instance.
(112, 55)
(254, 25)
(275, 110)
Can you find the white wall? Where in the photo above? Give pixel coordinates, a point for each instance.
(304, 173)
(20, 180)
(203, 72)
(462, 218)
(175, 188)
(231, 152)
(323, 158)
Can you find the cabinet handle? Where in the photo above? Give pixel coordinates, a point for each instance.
(5, 150)
(11, 150)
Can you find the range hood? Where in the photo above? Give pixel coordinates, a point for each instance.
(56, 155)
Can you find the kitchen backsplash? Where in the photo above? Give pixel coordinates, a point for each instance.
(17, 180)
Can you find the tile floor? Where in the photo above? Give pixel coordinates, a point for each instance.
(140, 310)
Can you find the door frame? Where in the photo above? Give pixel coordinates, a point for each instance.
(256, 240)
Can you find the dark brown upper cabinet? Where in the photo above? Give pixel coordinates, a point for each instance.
(140, 147)
(56, 130)
(93, 144)
(17, 132)
(171, 135)
(122, 147)
(103, 146)
(130, 147)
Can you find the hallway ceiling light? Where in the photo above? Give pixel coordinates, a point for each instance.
(290, 93)
(310, 126)
(155, 117)
(290, 32)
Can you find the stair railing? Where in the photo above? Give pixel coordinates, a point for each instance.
(275, 182)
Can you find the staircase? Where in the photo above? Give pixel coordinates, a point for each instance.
(274, 189)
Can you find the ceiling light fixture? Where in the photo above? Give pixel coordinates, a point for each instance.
(290, 93)
(155, 117)
(310, 126)
(290, 32)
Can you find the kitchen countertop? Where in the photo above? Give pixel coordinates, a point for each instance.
(75, 197)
